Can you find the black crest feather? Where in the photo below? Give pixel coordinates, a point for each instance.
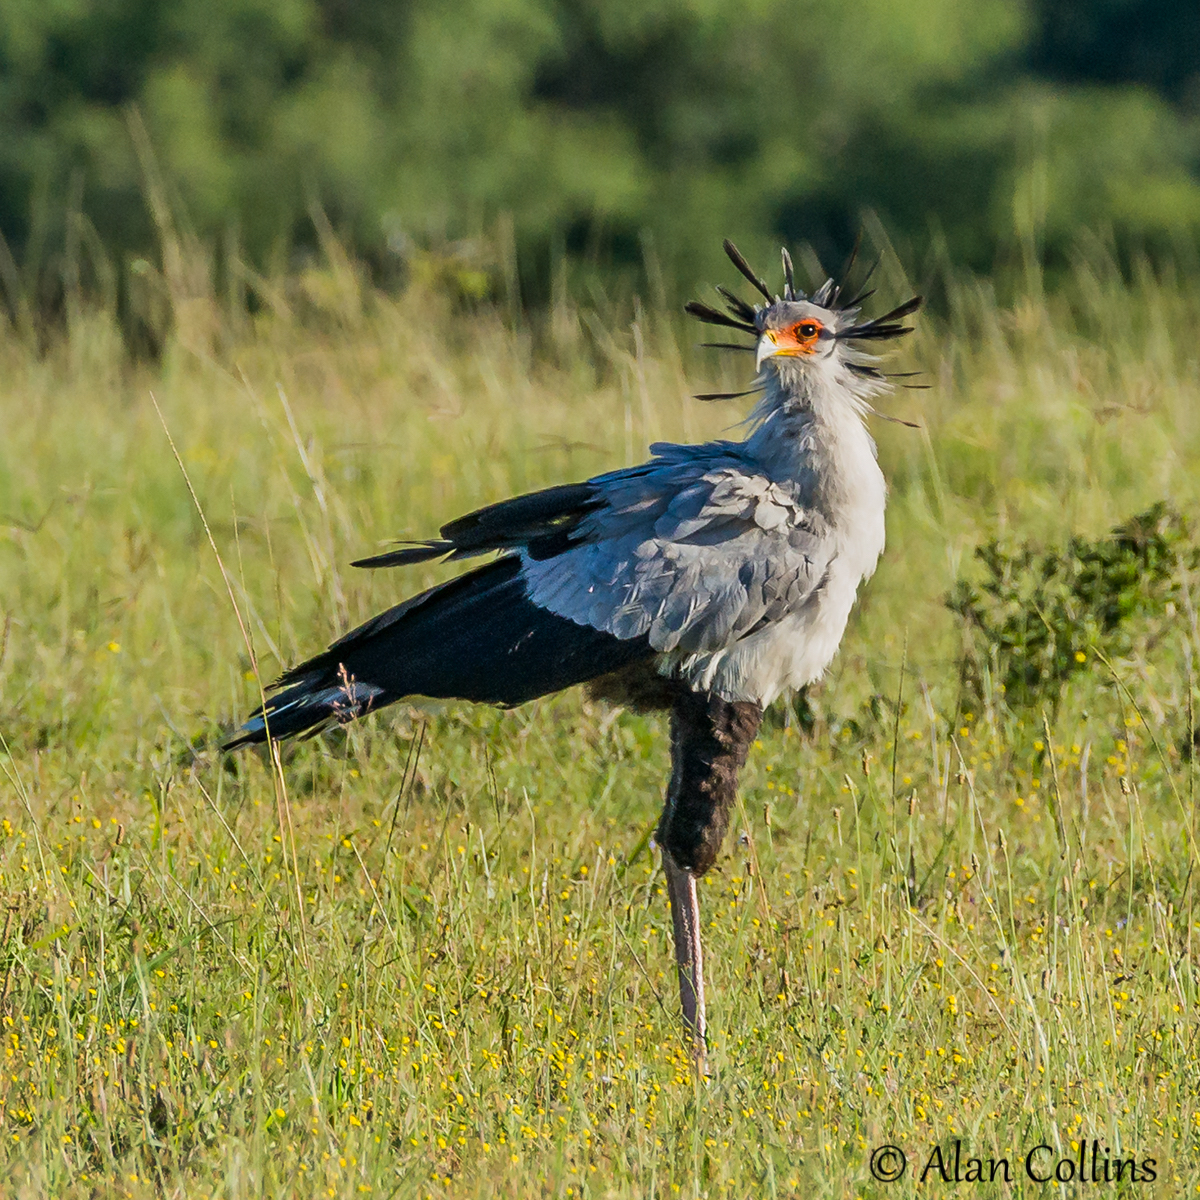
(725, 395)
(890, 325)
(737, 305)
(735, 257)
(789, 274)
(847, 270)
(712, 316)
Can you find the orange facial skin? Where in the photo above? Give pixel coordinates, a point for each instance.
(798, 339)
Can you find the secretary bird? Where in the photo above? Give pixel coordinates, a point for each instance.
(706, 581)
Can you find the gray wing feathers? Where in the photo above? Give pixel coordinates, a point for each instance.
(692, 551)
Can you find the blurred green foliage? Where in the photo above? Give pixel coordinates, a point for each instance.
(994, 127)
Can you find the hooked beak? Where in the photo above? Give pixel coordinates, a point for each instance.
(767, 348)
(778, 342)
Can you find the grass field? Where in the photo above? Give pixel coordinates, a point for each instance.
(429, 956)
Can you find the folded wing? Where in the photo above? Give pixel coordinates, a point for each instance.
(693, 552)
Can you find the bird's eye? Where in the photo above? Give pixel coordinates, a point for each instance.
(807, 329)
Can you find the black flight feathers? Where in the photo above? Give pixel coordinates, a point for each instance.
(541, 523)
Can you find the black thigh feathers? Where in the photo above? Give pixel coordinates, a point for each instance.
(478, 637)
(710, 738)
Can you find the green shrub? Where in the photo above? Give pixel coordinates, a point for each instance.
(1038, 616)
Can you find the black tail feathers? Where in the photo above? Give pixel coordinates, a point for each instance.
(308, 707)
(478, 637)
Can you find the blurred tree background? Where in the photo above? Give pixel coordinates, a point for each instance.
(592, 127)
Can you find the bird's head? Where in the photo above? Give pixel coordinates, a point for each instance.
(817, 332)
(794, 329)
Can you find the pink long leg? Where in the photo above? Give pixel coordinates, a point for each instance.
(689, 957)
